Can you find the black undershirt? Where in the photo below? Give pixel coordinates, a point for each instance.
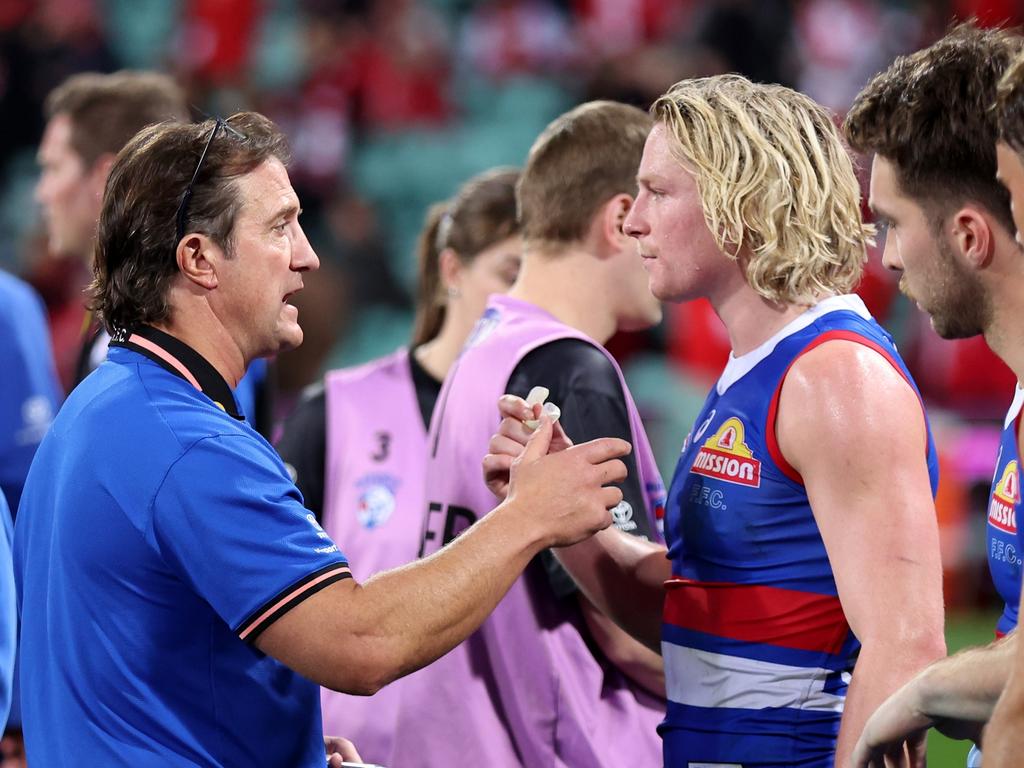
(303, 443)
(584, 384)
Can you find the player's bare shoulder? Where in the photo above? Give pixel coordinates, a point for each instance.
(844, 395)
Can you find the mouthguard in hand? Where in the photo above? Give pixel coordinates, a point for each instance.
(539, 395)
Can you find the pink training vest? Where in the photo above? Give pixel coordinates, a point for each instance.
(373, 501)
(527, 688)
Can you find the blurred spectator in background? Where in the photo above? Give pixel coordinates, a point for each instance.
(29, 393)
(505, 38)
(89, 118)
(29, 397)
(8, 612)
(356, 279)
(42, 43)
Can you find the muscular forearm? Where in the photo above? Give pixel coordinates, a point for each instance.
(1003, 741)
(412, 615)
(634, 659)
(955, 695)
(966, 686)
(357, 638)
(624, 577)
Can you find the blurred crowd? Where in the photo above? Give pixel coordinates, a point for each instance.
(390, 104)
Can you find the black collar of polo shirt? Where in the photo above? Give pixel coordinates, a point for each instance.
(211, 383)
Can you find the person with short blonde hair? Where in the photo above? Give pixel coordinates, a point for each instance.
(803, 581)
(578, 162)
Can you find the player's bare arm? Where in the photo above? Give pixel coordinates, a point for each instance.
(624, 577)
(1003, 740)
(621, 575)
(854, 429)
(637, 659)
(640, 663)
(358, 637)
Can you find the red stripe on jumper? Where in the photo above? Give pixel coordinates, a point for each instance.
(758, 614)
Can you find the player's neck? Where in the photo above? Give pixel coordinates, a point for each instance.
(1002, 281)
(1004, 333)
(567, 285)
(750, 319)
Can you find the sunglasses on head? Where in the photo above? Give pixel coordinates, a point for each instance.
(181, 217)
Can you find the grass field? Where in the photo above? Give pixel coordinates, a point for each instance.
(962, 630)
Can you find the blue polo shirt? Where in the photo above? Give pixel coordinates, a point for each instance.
(8, 613)
(159, 534)
(29, 393)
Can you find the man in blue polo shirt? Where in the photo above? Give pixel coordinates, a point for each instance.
(29, 398)
(179, 604)
(89, 118)
(29, 394)
(8, 613)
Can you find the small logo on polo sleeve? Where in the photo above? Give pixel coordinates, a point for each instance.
(726, 456)
(327, 548)
(36, 417)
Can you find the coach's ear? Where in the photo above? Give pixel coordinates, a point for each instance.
(198, 256)
(972, 237)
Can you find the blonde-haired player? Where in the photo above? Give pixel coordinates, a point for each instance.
(803, 581)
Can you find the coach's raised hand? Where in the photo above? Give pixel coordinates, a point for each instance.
(565, 494)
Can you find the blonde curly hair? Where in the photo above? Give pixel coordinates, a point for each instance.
(775, 180)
